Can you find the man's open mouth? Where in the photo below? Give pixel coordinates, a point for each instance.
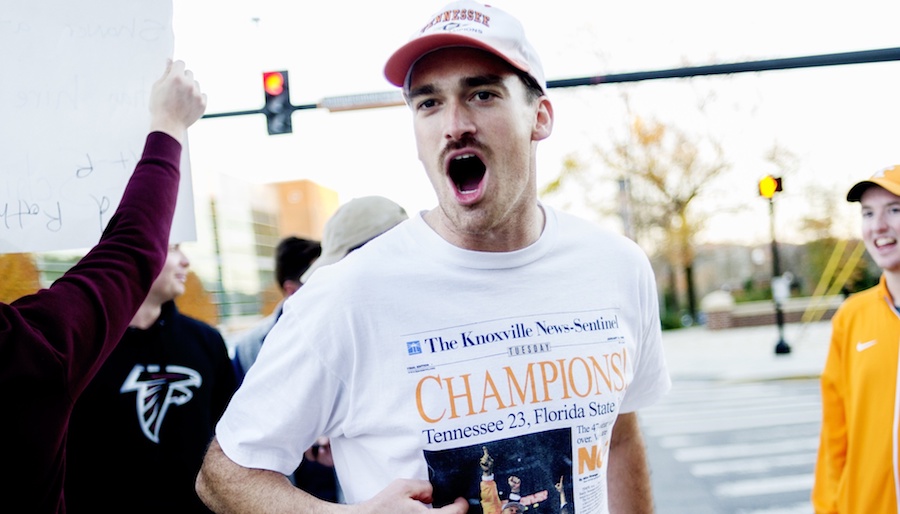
(466, 171)
(884, 241)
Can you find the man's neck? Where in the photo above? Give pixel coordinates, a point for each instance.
(520, 233)
(146, 315)
(892, 280)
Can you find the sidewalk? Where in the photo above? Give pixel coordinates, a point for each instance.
(748, 353)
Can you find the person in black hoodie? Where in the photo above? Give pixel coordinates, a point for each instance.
(139, 432)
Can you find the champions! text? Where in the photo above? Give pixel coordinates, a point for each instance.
(450, 397)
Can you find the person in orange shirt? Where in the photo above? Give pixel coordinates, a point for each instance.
(857, 465)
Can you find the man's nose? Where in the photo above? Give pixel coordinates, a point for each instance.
(458, 122)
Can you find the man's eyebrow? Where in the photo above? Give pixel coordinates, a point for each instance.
(482, 80)
(427, 89)
(466, 82)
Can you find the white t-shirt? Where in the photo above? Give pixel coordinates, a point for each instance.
(416, 357)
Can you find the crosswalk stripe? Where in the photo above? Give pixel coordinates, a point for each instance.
(751, 466)
(699, 413)
(793, 417)
(760, 486)
(797, 508)
(726, 451)
(746, 442)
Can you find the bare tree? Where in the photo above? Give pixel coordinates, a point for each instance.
(660, 171)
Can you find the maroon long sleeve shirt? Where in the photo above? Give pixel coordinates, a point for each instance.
(53, 342)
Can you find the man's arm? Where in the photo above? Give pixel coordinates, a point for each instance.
(227, 487)
(832, 454)
(74, 324)
(118, 272)
(628, 474)
(490, 497)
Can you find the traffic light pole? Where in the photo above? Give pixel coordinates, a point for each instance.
(787, 63)
(389, 99)
(255, 111)
(781, 347)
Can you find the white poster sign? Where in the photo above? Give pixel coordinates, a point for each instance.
(74, 115)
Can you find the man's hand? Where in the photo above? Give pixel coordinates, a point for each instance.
(225, 486)
(404, 496)
(515, 484)
(176, 101)
(320, 452)
(486, 462)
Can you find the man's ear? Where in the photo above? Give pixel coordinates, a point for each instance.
(290, 287)
(543, 120)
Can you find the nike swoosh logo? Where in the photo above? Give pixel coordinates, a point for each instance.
(865, 346)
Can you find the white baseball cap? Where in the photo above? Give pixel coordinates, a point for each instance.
(354, 224)
(470, 24)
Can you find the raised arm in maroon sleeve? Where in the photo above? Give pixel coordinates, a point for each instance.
(53, 342)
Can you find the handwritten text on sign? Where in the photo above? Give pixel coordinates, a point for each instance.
(74, 111)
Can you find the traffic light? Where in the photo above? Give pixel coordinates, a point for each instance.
(278, 108)
(769, 185)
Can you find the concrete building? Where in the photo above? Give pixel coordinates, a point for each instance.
(238, 226)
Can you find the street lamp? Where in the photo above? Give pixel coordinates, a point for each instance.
(768, 186)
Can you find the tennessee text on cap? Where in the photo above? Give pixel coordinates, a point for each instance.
(888, 178)
(469, 24)
(355, 223)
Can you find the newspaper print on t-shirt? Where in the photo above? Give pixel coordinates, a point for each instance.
(525, 403)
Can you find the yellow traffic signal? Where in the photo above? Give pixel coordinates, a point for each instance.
(769, 185)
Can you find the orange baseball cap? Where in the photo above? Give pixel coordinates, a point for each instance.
(888, 178)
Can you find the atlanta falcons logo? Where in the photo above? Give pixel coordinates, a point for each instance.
(157, 390)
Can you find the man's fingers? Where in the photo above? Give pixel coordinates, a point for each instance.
(420, 490)
(459, 506)
(168, 68)
(177, 67)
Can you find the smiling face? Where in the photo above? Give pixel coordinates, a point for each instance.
(476, 132)
(881, 227)
(170, 282)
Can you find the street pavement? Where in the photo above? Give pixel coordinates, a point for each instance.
(738, 432)
(746, 353)
(734, 447)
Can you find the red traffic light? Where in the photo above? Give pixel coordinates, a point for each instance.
(278, 108)
(273, 82)
(769, 185)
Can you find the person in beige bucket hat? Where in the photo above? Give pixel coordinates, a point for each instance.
(354, 224)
